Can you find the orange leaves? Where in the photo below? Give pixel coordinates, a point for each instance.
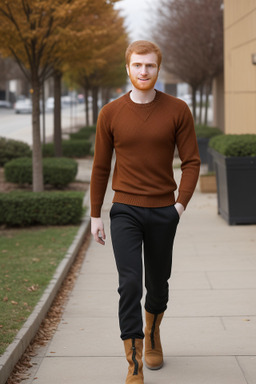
(53, 32)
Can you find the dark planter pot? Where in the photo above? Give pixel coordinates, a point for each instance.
(236, 188)
(205, 156)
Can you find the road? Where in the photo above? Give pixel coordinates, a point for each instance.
(19, 127)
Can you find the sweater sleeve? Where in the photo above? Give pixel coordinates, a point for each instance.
(101, 165)
(189, 155)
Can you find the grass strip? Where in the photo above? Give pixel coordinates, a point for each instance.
(28, 260)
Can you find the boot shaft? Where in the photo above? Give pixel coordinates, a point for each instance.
(133, 350)
(152, 331)
(153, 347)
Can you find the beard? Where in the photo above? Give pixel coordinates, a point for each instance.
(144, 83)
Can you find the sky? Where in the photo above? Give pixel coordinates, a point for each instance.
(137, 14)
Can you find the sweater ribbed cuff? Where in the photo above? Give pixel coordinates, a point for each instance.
(95, 210)
(183, 198)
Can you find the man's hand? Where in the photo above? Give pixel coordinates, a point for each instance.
(179, 207)
(97, 230)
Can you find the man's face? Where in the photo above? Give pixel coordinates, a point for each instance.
(143, 71)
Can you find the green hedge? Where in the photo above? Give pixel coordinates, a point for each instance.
(204, 131)
(11, 149)
(84, 133)
(234, 145)
(45, 208)
(56, 171)
(70, 148)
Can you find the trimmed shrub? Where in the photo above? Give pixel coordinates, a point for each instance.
(45, 208)
(11, 149)
(59, 171)
(204, 131)
(19, 171)
(70, 148)
(234, 145)
(84, 133)
(56, 171)
(48, 150)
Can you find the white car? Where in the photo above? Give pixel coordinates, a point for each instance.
(49, 105)
(23, 106)
(5, 104)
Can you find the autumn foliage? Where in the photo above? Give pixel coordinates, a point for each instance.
(45, 36)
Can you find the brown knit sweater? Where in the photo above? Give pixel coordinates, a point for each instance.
(144, 138)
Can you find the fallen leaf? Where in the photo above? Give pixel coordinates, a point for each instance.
(14, 302)
(5, 298)
(33, 288)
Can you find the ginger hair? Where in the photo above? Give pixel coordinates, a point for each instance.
(143, 47)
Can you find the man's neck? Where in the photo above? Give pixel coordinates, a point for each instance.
(142, 97)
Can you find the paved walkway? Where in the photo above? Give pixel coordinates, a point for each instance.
(208, 332)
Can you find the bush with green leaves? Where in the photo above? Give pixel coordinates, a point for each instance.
(58, 171)
(44, 208)
(70, 148)
(234, 145)
(204, 131)
(12, 149)
(84, 133)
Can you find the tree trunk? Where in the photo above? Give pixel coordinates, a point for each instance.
(57, 114)
(95, 104)
(86, 106)
(194, 103)
(201, 106)
(105, 96)
(43, 112)
(208, 90)
(38, 185)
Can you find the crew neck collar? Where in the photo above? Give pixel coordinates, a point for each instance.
(142, 105)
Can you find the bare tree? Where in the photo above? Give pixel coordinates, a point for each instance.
(190, 34)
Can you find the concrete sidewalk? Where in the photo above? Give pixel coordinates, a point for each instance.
(209, 329)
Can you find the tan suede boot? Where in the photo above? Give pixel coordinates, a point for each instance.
(133, 350)
(153, 349)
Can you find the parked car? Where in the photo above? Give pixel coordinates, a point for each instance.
(23, 106)
(49, 105)
(5, 104)
(68, 100)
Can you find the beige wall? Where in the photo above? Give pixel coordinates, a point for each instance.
(240, 73)
(218, 102)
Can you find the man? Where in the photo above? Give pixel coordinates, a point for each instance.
(143, 127)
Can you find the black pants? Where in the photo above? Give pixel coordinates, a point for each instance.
(155, 228)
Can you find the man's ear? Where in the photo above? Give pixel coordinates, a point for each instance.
(127, 69)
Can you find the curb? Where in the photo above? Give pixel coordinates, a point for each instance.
(25, 335)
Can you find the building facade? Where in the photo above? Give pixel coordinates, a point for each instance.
(239, 70)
